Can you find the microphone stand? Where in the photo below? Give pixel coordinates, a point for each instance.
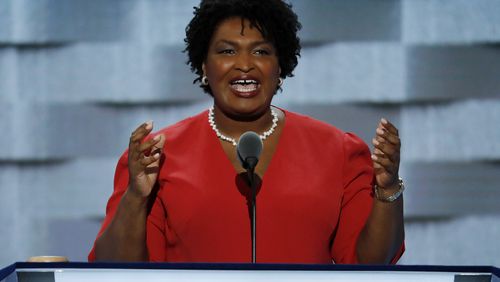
(248, 149)
(251, 162)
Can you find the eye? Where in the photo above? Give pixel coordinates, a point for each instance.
(226, 51)
(261, 52)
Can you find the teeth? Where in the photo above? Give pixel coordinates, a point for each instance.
(245, 87)
(244, 81)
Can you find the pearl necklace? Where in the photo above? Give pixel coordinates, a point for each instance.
(221, 136)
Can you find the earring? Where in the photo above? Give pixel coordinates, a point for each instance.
(280, 81)
(204, 80)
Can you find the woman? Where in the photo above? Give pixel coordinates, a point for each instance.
(180, 194)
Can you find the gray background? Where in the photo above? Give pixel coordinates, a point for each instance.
(77, 76)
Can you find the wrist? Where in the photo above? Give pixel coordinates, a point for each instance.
(134, 197)
(390, 193)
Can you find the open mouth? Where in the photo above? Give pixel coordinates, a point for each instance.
(244, 85)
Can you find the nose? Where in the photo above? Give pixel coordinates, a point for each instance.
(244, 62)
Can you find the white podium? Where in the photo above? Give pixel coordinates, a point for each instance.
(125, 272)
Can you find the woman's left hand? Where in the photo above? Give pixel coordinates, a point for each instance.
(386, 155)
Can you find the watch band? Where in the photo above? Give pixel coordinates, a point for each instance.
(392, 197)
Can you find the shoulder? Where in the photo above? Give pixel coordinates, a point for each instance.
(187, 126)
(311, 126)
(313, 129)
(178, 133)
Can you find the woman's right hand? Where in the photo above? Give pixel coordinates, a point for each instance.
(144, 160)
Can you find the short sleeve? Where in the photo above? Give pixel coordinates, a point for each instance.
(155, 229)
(357, 199)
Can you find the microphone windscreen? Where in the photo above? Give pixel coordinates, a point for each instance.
(249, 145)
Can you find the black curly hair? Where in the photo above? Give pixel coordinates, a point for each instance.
(273, 18)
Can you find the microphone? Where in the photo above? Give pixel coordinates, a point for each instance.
(248, 150)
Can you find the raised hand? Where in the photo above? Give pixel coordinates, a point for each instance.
(144, 160)
(382, 237)
(386, 155)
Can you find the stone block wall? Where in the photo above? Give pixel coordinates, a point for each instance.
(76, 77)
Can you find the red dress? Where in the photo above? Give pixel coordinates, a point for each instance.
(315, 197)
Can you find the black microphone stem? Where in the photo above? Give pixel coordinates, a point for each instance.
(248, 149)
(254, 213)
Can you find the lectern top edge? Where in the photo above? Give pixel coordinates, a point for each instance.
(84, 268)
(248, 266)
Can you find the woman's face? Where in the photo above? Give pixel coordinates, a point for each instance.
(242, 69)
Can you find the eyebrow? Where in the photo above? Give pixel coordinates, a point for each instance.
(233, 43)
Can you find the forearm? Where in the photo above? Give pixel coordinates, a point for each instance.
(383, 233)
(125, 237)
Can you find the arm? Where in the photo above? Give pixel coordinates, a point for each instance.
(383, 233)
(124, 239)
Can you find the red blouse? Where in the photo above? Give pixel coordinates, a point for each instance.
(315, 197)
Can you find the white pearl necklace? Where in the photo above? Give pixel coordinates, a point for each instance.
(221, 136)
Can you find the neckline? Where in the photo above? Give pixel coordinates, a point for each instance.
(227, 162)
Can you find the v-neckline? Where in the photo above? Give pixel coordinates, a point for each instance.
(229, 164)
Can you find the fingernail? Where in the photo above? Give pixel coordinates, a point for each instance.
(157, 156)
(380, 131)
(156, 138)
(374, 157)
(375, 142)
(384, 121)
(149, 124)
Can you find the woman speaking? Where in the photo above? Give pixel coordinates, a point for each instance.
(182, 195)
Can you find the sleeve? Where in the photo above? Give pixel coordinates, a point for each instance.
(357, 200)
(155, 229)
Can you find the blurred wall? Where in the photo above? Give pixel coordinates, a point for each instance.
(77, 76)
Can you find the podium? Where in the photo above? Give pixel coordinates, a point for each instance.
(182, 272)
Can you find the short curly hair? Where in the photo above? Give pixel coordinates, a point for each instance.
(273, 18)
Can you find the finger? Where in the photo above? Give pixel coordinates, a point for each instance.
(158, 147)
(160, 143)
(383, 134)
(389, 126)
(377, 166)
(380, 154)
(146, 161)
(386, 146)
(142, 131)
(387, 149)
(385, 163)
(152, 169)
(147, 146)
(136, 138)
